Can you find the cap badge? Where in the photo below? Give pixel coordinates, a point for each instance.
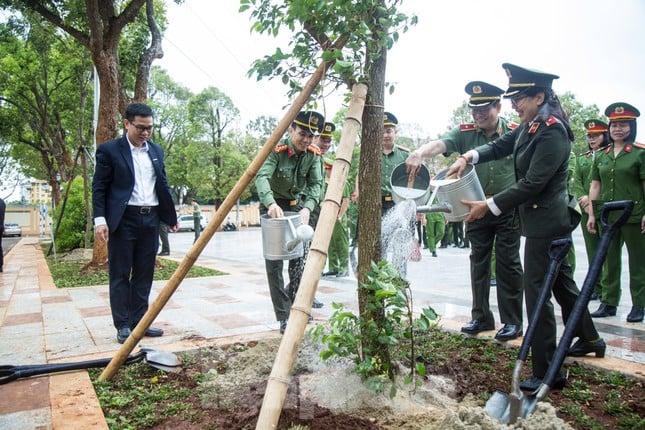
(313, 120)
(619, 109)
(477, 89)
(592, 124)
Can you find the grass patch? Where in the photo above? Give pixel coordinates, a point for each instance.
(73, 273)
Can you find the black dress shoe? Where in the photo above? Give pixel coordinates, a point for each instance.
(342, 275)
(434, 253)
(153, 332)
(443, 246)
(584, 347)
(317, 304)
(476, 326)
(330, 273)
(533, 383)
(636, 314)
(283, 326)
(508, 332)
(604, 311)
(595, 295)
(164, 253)
(122, 334)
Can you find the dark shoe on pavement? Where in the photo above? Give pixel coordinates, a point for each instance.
(283, 326)
(317, 304)
(584, 347)
(330, 273)
(153, 332)
(508, 332)
(442, 246)
(604, 311)
(533, 383)
(493, 282)
(595, 295)
(475, 326)
(636, 314)
(122, 334)
(434, 253)
(342, 275)
(164, 253)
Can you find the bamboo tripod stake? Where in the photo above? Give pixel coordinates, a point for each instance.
(279, 379)
(197, 248)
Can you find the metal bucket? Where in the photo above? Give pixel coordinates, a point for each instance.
(452, 192)
(278, 234)
(419, 191)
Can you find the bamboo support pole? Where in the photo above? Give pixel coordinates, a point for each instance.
(279, 379)
(197, 248)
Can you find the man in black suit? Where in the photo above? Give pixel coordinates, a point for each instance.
(130, 198)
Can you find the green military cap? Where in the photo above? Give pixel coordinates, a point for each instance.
(596, 126)
(482, 94)
(389, 120)
(620, 111)
(310, 120)
(520, 79)
(327, 130)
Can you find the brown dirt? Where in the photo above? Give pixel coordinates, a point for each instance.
(329, 396)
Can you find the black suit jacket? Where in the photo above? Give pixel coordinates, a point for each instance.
(114, 181)
(541, 156)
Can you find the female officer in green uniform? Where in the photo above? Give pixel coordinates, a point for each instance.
(618, 173)
(597, 139)
(540, 146)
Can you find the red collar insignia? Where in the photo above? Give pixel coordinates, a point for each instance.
(534, 127)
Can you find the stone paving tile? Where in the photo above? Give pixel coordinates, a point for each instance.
(24, 395)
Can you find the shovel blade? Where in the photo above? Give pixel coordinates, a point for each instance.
(164, 360)
(498, 406)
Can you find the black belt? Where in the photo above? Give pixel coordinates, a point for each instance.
(387, 198)
(290, 203)
(141, 210)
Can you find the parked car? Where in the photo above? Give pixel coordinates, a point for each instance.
(186, 223)
(12, 229)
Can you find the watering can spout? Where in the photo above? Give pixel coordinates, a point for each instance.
(437, 207)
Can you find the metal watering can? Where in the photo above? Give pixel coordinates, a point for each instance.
(282, 238)
(418, 190)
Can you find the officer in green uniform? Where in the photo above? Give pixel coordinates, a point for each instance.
(618, 173)
(597, 139)
(338, 251)
(292, 170)
(501, 232)
(393, 155)
(435, 228)
(540, 146)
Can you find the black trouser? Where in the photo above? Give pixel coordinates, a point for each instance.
(132, 250)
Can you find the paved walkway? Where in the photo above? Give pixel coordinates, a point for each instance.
(42, 324)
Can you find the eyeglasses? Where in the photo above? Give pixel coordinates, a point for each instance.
(515, 101)
(143, 128)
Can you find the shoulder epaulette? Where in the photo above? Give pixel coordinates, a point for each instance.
(280, 148)
(550, 121)
(403, 148)
(467, 127)
(639, 145)
(313, 148)
(534, 127)
(513, 125)
(609, 148)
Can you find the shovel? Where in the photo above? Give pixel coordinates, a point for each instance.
(163, 360)
(530, 403)
(506, 407)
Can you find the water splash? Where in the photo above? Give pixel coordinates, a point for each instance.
(397, 235)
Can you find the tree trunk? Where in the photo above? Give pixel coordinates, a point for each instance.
(369, 182)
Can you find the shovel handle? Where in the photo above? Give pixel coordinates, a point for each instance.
(580, 306)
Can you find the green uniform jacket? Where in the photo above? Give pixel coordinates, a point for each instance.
(495, 176)
(582, 173)
(287, 174)
(541, 156)
(621, 178)
(388, 163)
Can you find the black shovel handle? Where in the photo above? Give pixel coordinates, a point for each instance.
(10, 373)
(557, 253)
(608, 231)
